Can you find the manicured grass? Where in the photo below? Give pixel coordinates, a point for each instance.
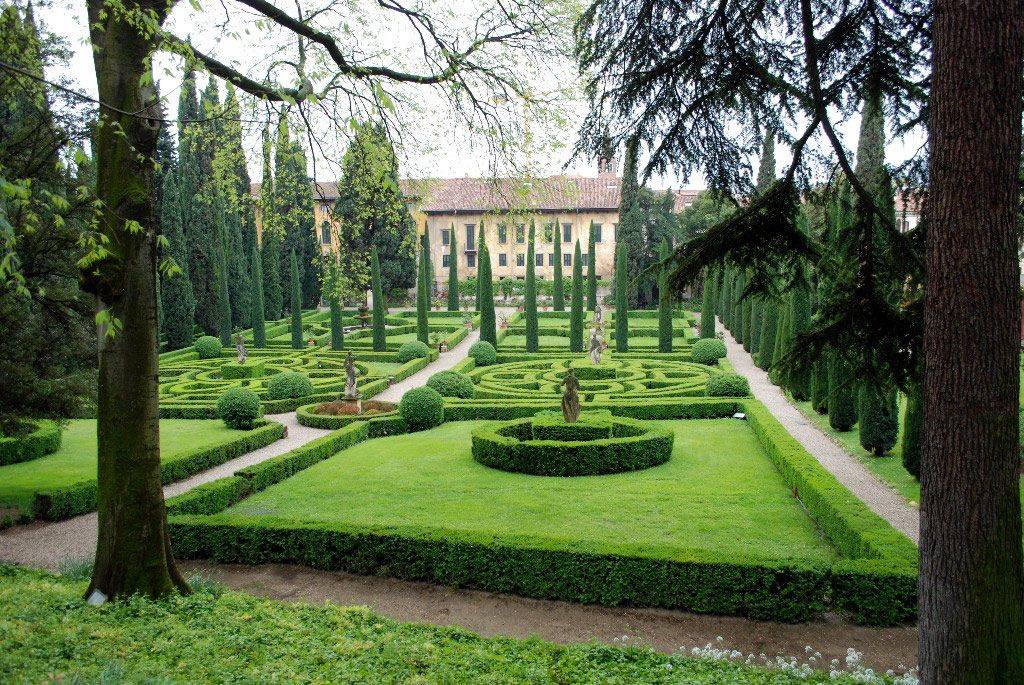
(50, 635)
(75, 461)
(718, 492)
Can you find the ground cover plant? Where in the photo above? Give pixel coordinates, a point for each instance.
(64, 483)
(215, 635)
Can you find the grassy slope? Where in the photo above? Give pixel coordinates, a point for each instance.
(49, 635)
(718, 492)
(75, 461)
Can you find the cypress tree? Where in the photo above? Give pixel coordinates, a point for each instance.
(819, 386)
(592, 269)
(425, 238)
(781, 344)
(576, 307)
(259, 334)
(176, 291)
(800, 321)
(422, 328)
(270, 240)
(379, 306)
(631, 223)
(664, 303)
(913, 417)
(756, 306)
(707, 306)
(296, 303)
(337, 329)
(842, 410)
(232, 176)
(224, 326)
(769, 328)
(488, 332)
(878, 414)
(530, 292)
(558, 301)
(745, 317)
(453, 274)
(479, 251)
(621, 301)
(737, 310)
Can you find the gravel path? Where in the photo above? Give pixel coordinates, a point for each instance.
(856, 477)
(47, 544)
(442, 363)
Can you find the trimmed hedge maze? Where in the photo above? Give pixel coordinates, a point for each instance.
(553, 332)
(616, 378)
(387, 508)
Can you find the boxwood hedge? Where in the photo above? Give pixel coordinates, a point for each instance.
(44, 439)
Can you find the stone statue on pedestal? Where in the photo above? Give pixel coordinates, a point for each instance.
(571, 397)
(240, 348)
(351, 391)
(596, 345)
(598, 315)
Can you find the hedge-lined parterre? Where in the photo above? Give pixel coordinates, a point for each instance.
(594, 445)
(43, 438)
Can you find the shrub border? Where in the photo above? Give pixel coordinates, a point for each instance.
(45, 439)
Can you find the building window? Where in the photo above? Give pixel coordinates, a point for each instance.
(444, 260)
(325, 233)
(521, 233)
(520, 260)
(471, 259)
(583, 259)
(502, 259)
(539, 259)
(567, 259)
(549, 233)
(551, 258)
(502, 233)
(470, 237)
(446, 236)
(597, 233)
(566, 233)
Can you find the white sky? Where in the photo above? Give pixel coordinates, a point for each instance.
(439, 146)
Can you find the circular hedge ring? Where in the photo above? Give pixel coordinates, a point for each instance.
(631, 446)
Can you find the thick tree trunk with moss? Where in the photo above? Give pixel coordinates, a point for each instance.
(132, 552)
(971, 579)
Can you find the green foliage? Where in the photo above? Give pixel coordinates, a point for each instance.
(766, 167)
(769, 332)
(530, 295)
(412, 350)
(379, 306)
(878, 417)
(239, 408)
(631, 242)
(177, 301)
(707, 306)
(483, 353)
(738, 328)
(488, 331)
(259, 331)
(422, 408)
(453, 272)
(208, 347)
(42, 438)
(452, 384)
(728, 385)
(293, 207)
(224, 325)
(576, 314)
(423, 295)
(778, 374)
(913, 417)
(707, 351)
(800, 322)
(592, 269)
(842, 400)
(270, 240)
(289, 385)
(819, 386)
(295, 305)
(337, 331)
(621, 298)
(558, 298)
(664, 303)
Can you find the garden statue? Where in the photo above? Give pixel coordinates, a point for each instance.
(240, 348)
(503, 323)
(351, 391)
(571, 398)
(598, 315)
(596, 344)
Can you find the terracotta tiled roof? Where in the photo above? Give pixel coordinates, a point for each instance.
(556, 193)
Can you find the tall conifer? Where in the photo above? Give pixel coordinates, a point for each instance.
(176, 291)
(592, 268)
(664, 303)
(379, 305)
(488, 332)
(453, 273)
(558, 299)
(621, 300)
(259, 334)
(530, 291)
(576, 304)
(295, 305)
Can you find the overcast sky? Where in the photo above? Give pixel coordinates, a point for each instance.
(438, 144)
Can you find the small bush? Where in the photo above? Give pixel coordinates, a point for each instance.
(728, 385)
(422, 408)
(412, 350)
(483, 353)
(708, 351)
(208, 347)
(452, 384)
(288, 385)
(239, 408)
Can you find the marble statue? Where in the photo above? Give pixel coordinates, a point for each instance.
(351, 391)
(598, 315)
(571, 397)
(240, 348)
(596, 345)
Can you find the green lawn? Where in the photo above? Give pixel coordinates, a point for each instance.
(50, 635)
(718, 492)
(75, 461)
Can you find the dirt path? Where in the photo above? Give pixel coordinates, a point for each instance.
(856, 477)
(48, 544)
(490, 613)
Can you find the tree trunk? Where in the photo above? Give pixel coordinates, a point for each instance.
(132, 549)
(971, 580)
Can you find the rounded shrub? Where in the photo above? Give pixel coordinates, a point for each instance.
(707, 351)
(452, 384)
(239, 408)
(728, 385)
(288, 385)
(483, 353)
(208, 347)
(422, 408)
(412, 350)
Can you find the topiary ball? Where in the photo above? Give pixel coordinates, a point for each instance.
(422, 408)
(483, 353)
(412, 350)
(239, 408)
(288, 385)
(208, 347)
(728, 385)
(452, 384)
(707, 351)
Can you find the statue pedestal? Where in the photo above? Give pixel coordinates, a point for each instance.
(354, 403)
